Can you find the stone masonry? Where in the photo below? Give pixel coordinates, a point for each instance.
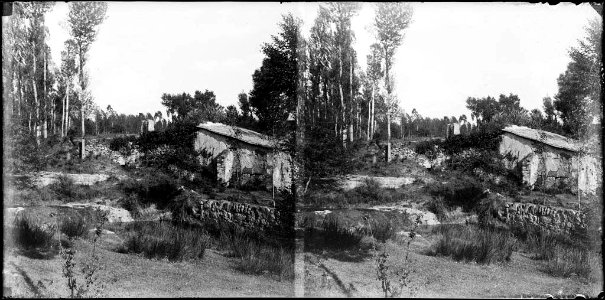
(555, 219)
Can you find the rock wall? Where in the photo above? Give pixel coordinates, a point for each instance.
(352, 181)
(42, 179)
(242, 214)
(555, 219)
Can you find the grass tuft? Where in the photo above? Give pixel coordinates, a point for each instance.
(164, 240)
(470, 243)
(73, 226)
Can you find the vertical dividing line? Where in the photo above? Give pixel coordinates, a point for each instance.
(299, 264)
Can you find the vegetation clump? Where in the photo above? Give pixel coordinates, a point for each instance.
(164, 240)
(470, 243)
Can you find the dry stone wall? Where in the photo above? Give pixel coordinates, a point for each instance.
(555, 219)
(242, 214)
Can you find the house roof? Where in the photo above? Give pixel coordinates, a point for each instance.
(238, 133)
(545, 137)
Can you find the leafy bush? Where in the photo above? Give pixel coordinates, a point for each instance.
(156, 188)
(337, 236)
(122, 144)
(73, 226)
(66, 189)
(132, 204)
(428, 147)
(369, 192)
(325, 155)
(470, 243)
(382, 230)
(437, 206)
(487, 138)
(459, 191)
(164, 240)
(30, 235)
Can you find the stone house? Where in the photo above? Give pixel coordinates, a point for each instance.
(242, 156)
(546, 159)
(147, 125)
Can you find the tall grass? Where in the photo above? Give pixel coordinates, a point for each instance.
(470, 243)
(336, 235)
(257, 253)
(164, 240)
(29, 234)
(567, 261)
(563, 255)
(73, 226)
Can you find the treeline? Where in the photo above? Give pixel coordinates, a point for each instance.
(45, 99)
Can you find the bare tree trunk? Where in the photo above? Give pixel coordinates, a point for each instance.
(373, 122)
(342, 99)
(351, 100)
(20, 98)
(369, 117)
(37, 104)
(388, 154)
(45, 99)
(81, 66)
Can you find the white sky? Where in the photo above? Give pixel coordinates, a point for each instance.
(451, 50)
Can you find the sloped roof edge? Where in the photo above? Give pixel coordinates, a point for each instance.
(545, 137)
(238, 133)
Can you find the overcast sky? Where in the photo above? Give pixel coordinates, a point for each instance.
(451, 50)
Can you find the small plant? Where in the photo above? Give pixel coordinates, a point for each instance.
(402, 274)
(73, 226)
(382, 230)
(89, 270)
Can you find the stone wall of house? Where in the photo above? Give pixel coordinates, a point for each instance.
(555, 219)
(543, 165)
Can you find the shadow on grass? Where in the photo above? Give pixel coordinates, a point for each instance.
(317, 242)
(30, 283)
(46, 254)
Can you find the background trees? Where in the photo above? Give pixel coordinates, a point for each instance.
(84, 19)
(273, 96)
(579, 96)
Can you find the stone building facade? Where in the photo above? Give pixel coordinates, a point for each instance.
(546, 159)
(243, 156)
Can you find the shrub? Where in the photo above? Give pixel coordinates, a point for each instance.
(336, 235)
(164, 240)
(30, 235)
(368, 192)
(567, 261)
(428, 148)
(382, 230)
(437, 206)
(470, 243)
(132, 204)
(325, 156)
(122, 144)
(459, 191)
(486, 138)
(73, 226)
(156, 188)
